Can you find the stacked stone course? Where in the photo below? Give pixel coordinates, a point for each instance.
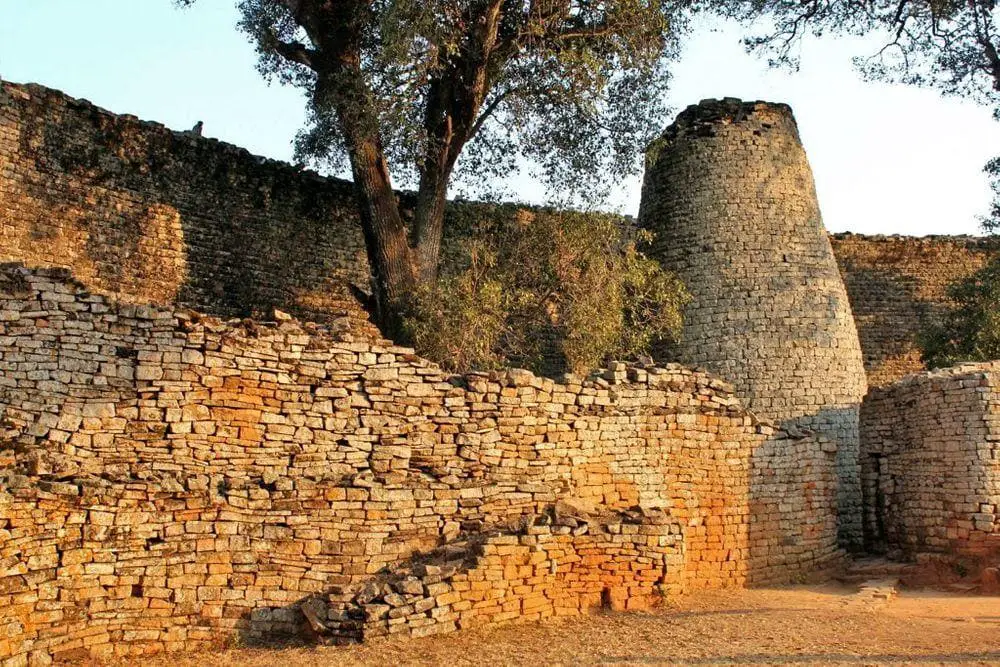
(730, 197)
(172, 479)
(540, 571)
(931, 446)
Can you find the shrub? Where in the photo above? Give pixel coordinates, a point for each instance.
(971, 329)
(548, 291)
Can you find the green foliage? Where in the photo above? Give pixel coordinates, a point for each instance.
(574, 86)
(991, 221)
(971, 331)
(950, 45)
(531, 287)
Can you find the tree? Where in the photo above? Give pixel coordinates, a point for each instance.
(951, 45)
(550, 291)
(406, 87)
(970, 330)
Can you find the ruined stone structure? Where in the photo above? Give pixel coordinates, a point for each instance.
(171, 479)
(730, 196)
(154, 216)
(931, 446)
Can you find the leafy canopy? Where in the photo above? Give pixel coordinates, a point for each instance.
(950, 45)
(574, 86)
(548, 291)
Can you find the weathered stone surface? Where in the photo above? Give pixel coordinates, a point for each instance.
(152, 215)
(929, 463)
(730, 197)
(161, 511)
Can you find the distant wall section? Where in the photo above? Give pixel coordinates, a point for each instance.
(898, 287)
(151, 215)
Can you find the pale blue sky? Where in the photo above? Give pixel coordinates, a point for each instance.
(887, 159)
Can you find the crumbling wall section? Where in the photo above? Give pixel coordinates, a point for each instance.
(931, 463)
(171, 479)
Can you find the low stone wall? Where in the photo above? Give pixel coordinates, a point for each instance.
(621, 562)
(170, 480)
(931, 481)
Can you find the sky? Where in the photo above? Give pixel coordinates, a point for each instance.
(886, 159)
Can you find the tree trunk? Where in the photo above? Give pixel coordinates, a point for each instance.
(453, 106)
(428, 222)
(391, 261)
(393, 276)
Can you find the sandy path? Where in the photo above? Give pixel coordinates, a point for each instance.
(793, 625)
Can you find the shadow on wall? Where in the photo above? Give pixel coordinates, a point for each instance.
(898, 287)
(152, 215)
(796, 499)
(785, 533)
(889, 316)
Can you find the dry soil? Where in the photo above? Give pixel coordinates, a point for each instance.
(800, 625)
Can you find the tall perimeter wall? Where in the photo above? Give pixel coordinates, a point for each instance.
(170, 480)
(152, 215)
(898, 287)
(730, 197)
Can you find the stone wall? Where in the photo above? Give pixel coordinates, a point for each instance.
(151, 215)
(931, 463)
(730, 197)
(156, 216)
(898, 287)
(171, 479)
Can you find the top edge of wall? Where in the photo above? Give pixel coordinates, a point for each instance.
(38, 93)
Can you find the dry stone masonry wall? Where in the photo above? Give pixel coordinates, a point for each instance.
(931, 463)
(730, 196)
(171, 480)
(155, 216)
(898, 288)
(151, 215)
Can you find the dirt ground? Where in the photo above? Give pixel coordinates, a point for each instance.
(800, 625)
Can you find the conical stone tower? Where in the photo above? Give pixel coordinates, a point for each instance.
(730, 197)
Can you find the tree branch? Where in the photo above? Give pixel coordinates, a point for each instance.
(490, 109)
(295, 52)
